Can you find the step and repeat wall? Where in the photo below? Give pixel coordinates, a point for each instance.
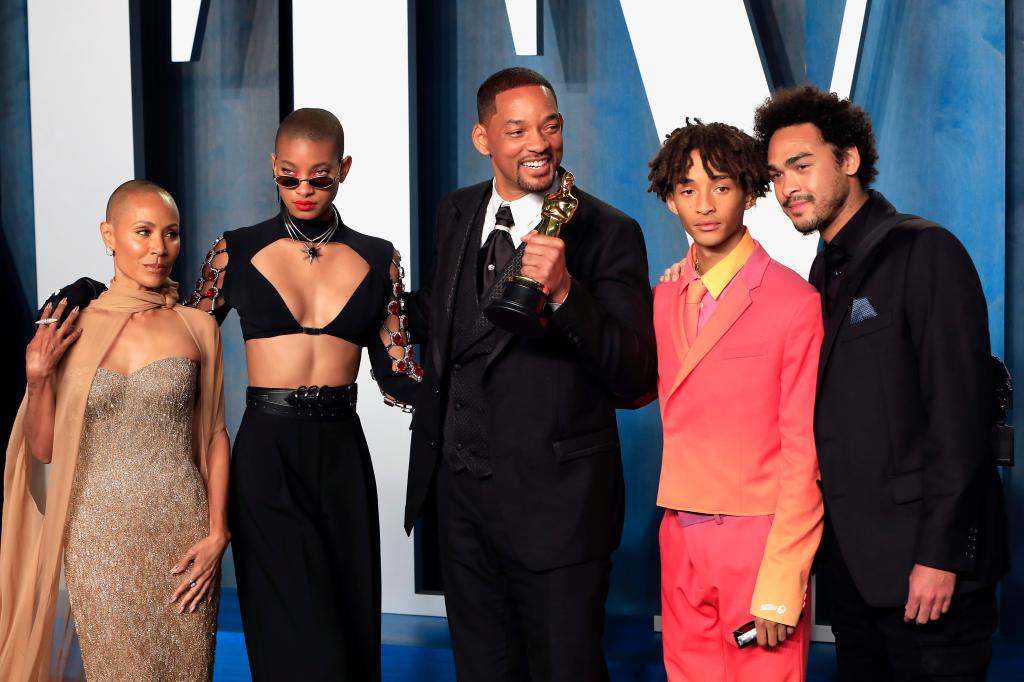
(189, 94)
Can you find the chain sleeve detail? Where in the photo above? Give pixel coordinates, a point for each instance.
(211, 279)
(395, 328)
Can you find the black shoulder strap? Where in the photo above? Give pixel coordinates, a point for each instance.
(900, 221)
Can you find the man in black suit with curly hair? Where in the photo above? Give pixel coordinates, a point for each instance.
(916, 527)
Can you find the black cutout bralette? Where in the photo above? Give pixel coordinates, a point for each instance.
(262, 311)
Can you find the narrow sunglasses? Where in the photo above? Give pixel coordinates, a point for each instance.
(318, 182)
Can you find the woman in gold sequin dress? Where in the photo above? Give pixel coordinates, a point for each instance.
(125, 404)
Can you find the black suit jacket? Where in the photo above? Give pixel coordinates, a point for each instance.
(903, 417)
(552, 435)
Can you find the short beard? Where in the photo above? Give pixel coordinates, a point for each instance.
(530, 185)
(823, 216)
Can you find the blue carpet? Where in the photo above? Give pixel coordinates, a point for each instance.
(418, 649)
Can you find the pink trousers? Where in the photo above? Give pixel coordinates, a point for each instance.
(708, 571)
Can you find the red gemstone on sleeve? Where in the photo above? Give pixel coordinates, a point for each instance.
(211, 293)
(393, 307)
(397, 339)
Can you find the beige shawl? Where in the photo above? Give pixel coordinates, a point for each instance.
(36, 501)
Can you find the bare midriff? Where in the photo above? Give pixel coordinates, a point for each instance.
(297, 360)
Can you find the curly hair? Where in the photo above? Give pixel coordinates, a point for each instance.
(723, 147)
(842, 123)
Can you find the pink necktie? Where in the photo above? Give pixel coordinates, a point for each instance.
(691, 310)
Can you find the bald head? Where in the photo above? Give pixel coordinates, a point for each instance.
(315, 125)
(122, 196)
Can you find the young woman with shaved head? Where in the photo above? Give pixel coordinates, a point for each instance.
(310, 292)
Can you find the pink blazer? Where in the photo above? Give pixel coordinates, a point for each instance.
(737, 412)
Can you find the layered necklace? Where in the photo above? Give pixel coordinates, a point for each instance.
(311, 245)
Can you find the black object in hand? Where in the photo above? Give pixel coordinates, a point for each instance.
(745, 635)
(79, 293)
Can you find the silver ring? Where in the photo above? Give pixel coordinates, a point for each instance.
(191, 584)
(47, 320)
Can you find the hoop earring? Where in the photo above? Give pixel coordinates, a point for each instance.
(110, 251)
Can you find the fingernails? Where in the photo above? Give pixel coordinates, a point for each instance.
(63, 300)
(74, 310)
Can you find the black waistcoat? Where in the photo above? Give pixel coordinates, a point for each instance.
(465, 433)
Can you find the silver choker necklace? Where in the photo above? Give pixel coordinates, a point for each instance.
(313, 245)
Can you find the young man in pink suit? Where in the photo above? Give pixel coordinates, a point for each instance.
(738, 339)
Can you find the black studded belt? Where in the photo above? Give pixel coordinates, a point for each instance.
(315, 402)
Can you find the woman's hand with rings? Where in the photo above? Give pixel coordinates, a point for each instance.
(200, 582)
(51, 340)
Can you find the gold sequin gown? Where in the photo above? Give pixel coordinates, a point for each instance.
(137, 504)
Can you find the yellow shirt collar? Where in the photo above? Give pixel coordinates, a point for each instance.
(717, 278)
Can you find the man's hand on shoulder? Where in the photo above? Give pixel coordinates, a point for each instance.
(931, 591)
(544, 262)
(673, 272)
(79, 295)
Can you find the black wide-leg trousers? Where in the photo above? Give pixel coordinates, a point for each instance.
(306, 545)
(509, 623)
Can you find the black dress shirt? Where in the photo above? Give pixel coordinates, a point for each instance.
(835, 257)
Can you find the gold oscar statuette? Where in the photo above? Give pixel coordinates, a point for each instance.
(521, 306)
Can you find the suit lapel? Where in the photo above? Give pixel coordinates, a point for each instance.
(844, 299)
(729, 310)
(464, 217)
(481, 326)
(840, 313)
(737, 300)
(884, 217)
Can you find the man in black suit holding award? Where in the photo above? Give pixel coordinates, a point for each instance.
(916, 531)
(516, 436)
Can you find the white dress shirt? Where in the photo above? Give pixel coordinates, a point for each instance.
(525, 212)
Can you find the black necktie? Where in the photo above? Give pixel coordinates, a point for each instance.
(498, 248)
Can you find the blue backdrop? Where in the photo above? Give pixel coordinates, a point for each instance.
(939, 77)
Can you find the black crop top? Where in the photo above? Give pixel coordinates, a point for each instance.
(230, 280)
